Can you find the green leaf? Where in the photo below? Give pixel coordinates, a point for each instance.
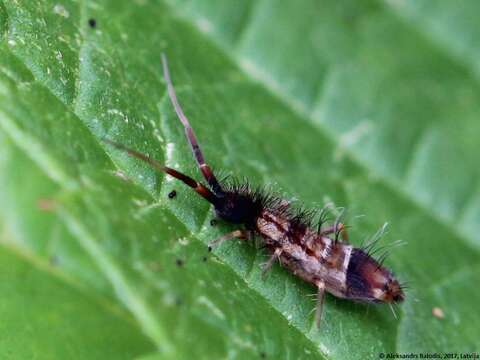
(370, 105)
(44, 316)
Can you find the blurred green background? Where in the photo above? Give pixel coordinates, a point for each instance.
(372, 105)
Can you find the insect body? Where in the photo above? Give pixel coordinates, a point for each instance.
(318, 256)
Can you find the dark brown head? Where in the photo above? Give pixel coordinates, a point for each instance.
(368, 281)
(238, 207)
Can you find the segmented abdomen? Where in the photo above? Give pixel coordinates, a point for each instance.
(305, 252)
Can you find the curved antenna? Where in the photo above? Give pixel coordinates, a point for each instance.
(198, 187)
(192, 140)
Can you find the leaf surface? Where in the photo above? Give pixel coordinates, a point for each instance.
(355, 103)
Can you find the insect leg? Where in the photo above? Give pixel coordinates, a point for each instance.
(192, 140)
(337, 228)
(239, 234)
(319, 307)
(268, 265)
(198, 187)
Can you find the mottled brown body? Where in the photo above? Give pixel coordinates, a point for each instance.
(338, 267)
(314, 255)
(307, 253)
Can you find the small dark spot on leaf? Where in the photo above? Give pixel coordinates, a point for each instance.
(92, 23)
(263, 355)
(172, 194)
(179, 262)
(209, 249)
(178, 301)
(204, 259)
(213, 222)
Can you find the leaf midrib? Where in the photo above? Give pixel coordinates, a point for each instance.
(39, 263)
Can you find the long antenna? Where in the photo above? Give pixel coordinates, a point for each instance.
(187, 180)
(192, 139)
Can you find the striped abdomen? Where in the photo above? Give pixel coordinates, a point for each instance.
(345, 271)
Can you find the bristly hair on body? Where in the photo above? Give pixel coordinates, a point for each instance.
(316, 253)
